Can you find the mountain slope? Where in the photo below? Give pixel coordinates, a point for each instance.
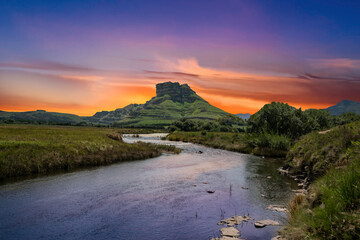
(172, 101)
(344, 107)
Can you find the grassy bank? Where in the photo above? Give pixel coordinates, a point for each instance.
(331, 208)
(29, 150)
(258, 144)
(318, 152)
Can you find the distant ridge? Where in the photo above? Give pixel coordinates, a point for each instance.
(244, 116)
(40, 116)
(344, 106)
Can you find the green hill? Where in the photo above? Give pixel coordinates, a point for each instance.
(172, 102)
(344, 106)
(40, 116)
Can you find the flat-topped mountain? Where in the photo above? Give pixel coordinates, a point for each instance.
(172, 102)
(344, 106)
(177, 93)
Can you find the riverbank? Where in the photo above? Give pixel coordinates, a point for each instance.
(29, 150)
(329, 163)
(257, 144)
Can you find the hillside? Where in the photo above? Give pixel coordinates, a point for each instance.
(40, 116)
(172, 102)
(344, 106)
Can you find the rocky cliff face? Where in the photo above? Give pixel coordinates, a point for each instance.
(178, 93)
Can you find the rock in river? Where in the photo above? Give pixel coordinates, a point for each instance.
(278, 208)
(235, 220)
(230, 232)
(266, 222)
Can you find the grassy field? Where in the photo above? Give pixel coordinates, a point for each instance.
(258, 144)
(331, 209)
(29, 150)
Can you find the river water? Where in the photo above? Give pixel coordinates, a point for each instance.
(160, 198)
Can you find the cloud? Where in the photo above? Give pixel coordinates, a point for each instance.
(47, 65)
(83, 77)
(181, 74)
(344, 63)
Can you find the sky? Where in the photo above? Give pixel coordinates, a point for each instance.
(86, 56)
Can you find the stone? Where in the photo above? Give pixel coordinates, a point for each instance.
(278, 208)
(235, 220)
(277, 238)
(230, 232)
(266, 222)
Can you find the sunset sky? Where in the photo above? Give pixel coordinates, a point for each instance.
(86, 56)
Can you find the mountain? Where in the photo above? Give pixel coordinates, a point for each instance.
(40, 116)
(172, 102)
(344, 107)
(244, 116)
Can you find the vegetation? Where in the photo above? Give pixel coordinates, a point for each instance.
(28, 150)
(282, 119)
(258, 144)
(317, 152)
(229, 123)
(331, 209)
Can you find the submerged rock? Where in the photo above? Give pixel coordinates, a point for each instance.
(235, 220)
(266, 222)
(278, 208)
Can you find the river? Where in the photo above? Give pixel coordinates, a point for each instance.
(160, 198)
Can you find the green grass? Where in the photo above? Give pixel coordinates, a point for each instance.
(258, 144)
(29, 150)
(331, 209)
(315, 153)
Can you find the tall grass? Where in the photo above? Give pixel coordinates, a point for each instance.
(30, 150)
(333, 209)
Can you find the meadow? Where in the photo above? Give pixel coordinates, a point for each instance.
(27, 150)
